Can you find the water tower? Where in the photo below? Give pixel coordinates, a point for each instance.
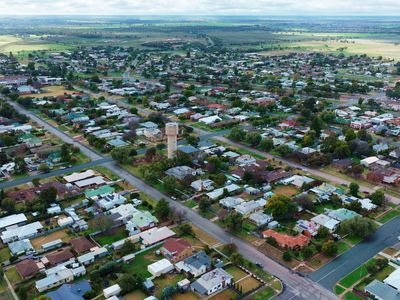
(171, 131)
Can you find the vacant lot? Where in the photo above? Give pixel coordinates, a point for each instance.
(236, 273)
(51, 91)
(286, 190)
(111, 236)
(60, 234)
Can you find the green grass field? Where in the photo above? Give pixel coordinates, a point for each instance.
(356, 275)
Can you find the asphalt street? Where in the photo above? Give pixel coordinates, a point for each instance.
(296, 287)
(384, 237)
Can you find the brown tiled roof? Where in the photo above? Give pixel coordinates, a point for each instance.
(288, 241)
(27, 268)
(59, 256)
(176, 245)
(81, 244)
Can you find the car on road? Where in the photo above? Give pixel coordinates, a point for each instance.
(259, 265)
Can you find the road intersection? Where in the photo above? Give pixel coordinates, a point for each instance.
(317, 286)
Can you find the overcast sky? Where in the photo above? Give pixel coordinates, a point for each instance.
(201, 7)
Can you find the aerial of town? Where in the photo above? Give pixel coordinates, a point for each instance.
(188, 158)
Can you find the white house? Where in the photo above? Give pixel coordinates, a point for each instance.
(113, 290)
(212, 282)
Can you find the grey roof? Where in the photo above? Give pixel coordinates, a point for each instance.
(188, 149)
(198, 287)
(20, 246)
(199, 259)
(71, 291)
(382, 291)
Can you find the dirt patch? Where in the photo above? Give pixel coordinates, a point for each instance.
(136, 295)
(227, 294)
(390, 251)
(286, 190)
(60, 234)
(276, 254)
(186, 296)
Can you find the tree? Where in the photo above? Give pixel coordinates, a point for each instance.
(229, 249)
(233, 221)
(323, 232)
(236, 259)
(44, 168)
(48, 196)
(354, 188)
(162, 210)
(266, 144)
(204, 204)
(122, 155)
(130, 282)
(281, 207)
(150, 154)
(378, 197)
(317, 125)
(20, 166)
(102, 223)
(186, 229)
(358, 227)
(219, 179)
(283, 150)
(307, 252)
(170, 184)
(8, 205)
(330, 248)
(350, 135)
(237, 134)
(65, 153)
(286, 256)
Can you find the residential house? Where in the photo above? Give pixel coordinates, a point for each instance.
(176, 249)
(306, 227)
(212, 282)
(23, 232)
(287, 241)
(326, 221)
(27, 268)
(75, 291)
(63, 275)
(381, 291)
(81, 244)
(230, 202)
(196, 265)
(155, 235)
(21, 247)
(259, 218)
(59, 256)
(246, 208)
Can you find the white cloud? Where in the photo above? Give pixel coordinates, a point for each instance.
(200, 7)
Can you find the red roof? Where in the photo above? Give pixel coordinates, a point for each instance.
(176, 245)
(287, 241)
(81, 244)
(217, 106)
(27, 268)
(60, 256)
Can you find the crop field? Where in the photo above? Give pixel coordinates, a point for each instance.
(18, 45)
(375, 48)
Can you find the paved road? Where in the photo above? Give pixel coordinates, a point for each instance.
(93, 155)
(7, 184)
(315, 172)
(297, 287)
(384, 237)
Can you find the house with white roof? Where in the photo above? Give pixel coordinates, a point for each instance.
(19, 233)
(326, 222)
(155, 235)
(11, 220)
(212, 282)
(246, 208)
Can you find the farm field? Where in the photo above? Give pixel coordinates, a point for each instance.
(370, 47)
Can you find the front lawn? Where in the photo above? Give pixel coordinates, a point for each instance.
(4, 254)
(356, 275)
(352, 296)
(339, 290)
(388, 216)
(13, 275)
(264, 294)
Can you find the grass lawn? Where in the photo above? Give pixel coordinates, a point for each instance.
(342, 247)
(264, 294)
(13, 275)
(388, 216)
(4, 254)
(202, 235)
(353, 239)
(339, 290)
(190, 203)
(110, 237)
(384, 273)
(166, 280)
(186, 296)
(249, 284)
(356, 275)
(352, 296)
(227, 294)
(140, 263)
(236, 272)
(286, 190)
